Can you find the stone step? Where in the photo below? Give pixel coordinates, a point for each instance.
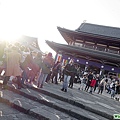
(18, 106)
(63, 104)
(55, 92)
(9, 113)
(39, 99)
(31, 107)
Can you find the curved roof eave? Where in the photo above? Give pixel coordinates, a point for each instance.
(88, 52)
(88, 34)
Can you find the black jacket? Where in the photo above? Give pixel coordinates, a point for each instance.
(69, 70)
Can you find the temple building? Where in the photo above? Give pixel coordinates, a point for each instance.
(28, 41)
(31, 42)
(91, 45)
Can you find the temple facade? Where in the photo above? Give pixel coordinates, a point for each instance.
(91, 45)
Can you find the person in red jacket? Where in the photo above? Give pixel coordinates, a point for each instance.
(92, 84)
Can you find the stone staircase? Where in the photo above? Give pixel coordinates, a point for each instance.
(49, 103)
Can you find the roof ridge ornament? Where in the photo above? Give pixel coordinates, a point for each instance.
(84, 21)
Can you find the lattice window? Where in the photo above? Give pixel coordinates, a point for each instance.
(101, 47)
(79, 44)
(91, 46)
(113, 49)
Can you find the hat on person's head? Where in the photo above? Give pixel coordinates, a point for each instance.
(50, 54)
(58, 61)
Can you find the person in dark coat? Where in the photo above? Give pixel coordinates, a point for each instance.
(117, 91)
(68, 72)
(73, 77)
(47, 64)
(97, 82)
(55, 71)
(90, 77)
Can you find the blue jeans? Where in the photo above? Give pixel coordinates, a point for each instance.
(112, 93)
(66, 81)
(42, 77)
(24, 77)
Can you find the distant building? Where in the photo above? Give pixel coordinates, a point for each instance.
(91, 45)
(31, 42)
(2, 46)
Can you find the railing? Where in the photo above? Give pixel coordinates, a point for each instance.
(99, 48)
(113, 51)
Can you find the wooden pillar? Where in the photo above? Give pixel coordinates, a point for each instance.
(102, 69)
(86, 66)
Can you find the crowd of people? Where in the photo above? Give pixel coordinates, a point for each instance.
(90, 81)
(26, 66)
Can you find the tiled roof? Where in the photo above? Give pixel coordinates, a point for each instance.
(99, 30)
(31, 42)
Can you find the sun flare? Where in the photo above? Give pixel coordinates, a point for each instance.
(9, 37)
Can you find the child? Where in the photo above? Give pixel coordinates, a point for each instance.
(83, 83)
(92, 84)
(112, 86)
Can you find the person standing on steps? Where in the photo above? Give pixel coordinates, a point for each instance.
(90, 77)
(97, 82)
(113, 88)
(117, 97)
(72, 79)
(55, 71)
(83, 82)
(92, 84)
(101, 86)
(46, 66)
(13, 58)
(68, 72)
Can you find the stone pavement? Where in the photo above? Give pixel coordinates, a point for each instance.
(51, 103)
(8, 113)
(97, 103)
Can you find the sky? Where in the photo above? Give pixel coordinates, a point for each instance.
(40, 18)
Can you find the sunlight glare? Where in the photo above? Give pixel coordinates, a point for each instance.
(1, 113)
(9, 36)
(14, 86)
(1, 94)
(17, 100)
(43, 98)
(28, 90)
